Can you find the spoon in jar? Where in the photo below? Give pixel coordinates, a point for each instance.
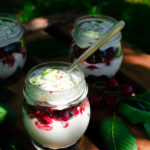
(105, 38)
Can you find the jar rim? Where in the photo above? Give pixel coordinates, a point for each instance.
(35, 94)
(15, 31)
(106, 18)
(48, 63)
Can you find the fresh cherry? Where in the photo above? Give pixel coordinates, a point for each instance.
(111, 100)
(126, 90)
(112, 84)
(95, 101)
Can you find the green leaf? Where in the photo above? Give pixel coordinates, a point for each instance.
(3, 114)
(145, 96)
(7, 114)
(134, 115)
(147, 128)
(116, 136)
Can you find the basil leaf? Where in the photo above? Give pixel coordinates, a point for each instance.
(116, 136)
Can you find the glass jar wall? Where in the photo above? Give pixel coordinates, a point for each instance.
(107, 59)
(55, 118)
(12, 48)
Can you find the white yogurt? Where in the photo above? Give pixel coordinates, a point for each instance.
(102, 68)
(53, 79)
(62, 134)
(6, 70)
(47, 85)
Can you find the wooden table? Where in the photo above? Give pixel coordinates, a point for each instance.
(135, 68)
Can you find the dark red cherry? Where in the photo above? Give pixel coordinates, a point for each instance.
(63, 116)
(111, 100)
(92, 67)
(126, 90)
(112, 84)
(95, 101)
(10, 60)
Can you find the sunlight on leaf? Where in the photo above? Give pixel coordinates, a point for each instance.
(116, 136)
(94, 10)
(146, 2)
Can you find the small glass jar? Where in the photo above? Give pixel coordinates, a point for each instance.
(55, 119)
(107, 59)
(12, 49)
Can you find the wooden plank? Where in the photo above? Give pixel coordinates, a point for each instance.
(136, 65)
(57, 19)
(86, 144)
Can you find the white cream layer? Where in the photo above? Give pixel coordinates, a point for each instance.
(53, 79)
(53, 89)
(59, 136)
(6, 71)
(103, 69)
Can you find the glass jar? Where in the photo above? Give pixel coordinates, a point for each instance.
(107, 59)
(12, 49)
(55, 118)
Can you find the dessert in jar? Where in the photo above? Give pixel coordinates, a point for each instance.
(107, 59)
(12, 49)
(56, 110)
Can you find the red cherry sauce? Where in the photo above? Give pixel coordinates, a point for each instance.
(97, 57)
(46, 115)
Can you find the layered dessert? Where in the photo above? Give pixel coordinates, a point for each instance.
(12, 58)
(60, 116)
(12, 49)
(107, 59)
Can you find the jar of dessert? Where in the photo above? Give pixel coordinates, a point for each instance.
(107, 59)
(12, 49)
(56, 110)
